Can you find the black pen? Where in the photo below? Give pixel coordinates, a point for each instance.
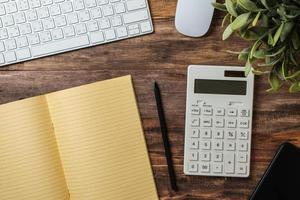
(165, 138)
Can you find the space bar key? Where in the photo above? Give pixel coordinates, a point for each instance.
(60, 46)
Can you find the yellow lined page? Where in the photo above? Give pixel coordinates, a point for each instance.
(30, 167)
(101, 142)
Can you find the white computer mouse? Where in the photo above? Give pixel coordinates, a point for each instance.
(193, 17)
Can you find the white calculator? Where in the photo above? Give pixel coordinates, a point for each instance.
(218, 121)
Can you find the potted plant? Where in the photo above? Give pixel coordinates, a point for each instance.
(273, 29)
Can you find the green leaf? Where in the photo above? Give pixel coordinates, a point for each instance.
(219, 6)
(260, 54)
(240, 21)
(287, 28)
(243, 55)
(248, 5)
(225, 19)
(230, 8)
(258, 72)
(295, 75)
(254, 22)
(295, 39)
(295, 87)
(254, 47)
(277, 34)
(274, 81)
(248, 67)
(227, 33)
(264, 2)
(270, 39)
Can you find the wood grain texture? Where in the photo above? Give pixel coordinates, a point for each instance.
(164, 56)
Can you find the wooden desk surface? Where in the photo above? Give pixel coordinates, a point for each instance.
(164, 57)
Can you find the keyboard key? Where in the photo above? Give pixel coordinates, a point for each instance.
(219, 134)
(97, 37)
(43, 12)
(96, 13)
(66, 7)
(10, 56)
(23, 54)
(193, 156)
(37, 26)
(232, 112)
(19, 18)
(207, 111)
(242, 146)
(110, 34)
(22, 5)
(2, 47)
(195, 122)
(72, 18)
(217, 168)
(244, 112)
(60, 21)
(33, 39)
(204, 167)
(146, 27)
(229, 145)
(2, 58)
(218, 145)
(219, 122)
(206, 122)
(11, 7)
(194, 144)
(136, 4)
(135, 16)
(242, 157)
(80, 29)
(84, 15)
(241, 168)
(205, 156)
(104, 23)
(78, 5)
(217, 157)
(34, 3)
(230, 134)
(205, 145)
(107, 10)
(193, 167)
(206, 133)
(195, 133)
(231, 123)
(229, 161)
(55, 10)
(92, 26)
(3, 34)
(10, 44)
(242, 123)
(13, 31)
(60, 45)
(8, 20)
(195, 111)
(220, 111)
(57, 34)
(120, 8)
(45, 36)
(25, 28)
(121, 32)
(243, 135)
(69, 31)
(90, 3)
(48, 23)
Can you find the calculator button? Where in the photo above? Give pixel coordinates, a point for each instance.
(219, 123)
(207, 122)
(230, 134)
(220, 111)
(205, 145)
(193, 156)
(241, 168)
(232, 112)
(242, 157)
(217, 157)
(195, 111)
(244, 112)
(195, 133)
(206, 133)
(205, 156)
(207, 111)
(217, 168)
(243, 135)
(242, 146)
(194, 144)
(219, 134)
(229, 163)
(243, 123)
(229, 145)
(231, 123)
(193, 167)
(217, 145)
(195, 122)
(205, 167)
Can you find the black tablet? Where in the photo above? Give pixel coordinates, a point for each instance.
(281, 180)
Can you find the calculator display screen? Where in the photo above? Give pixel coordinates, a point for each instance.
(220, 87)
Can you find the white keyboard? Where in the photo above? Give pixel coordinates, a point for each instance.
(218, 122)
(31, 29)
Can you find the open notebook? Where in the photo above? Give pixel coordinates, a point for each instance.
(83, 143)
